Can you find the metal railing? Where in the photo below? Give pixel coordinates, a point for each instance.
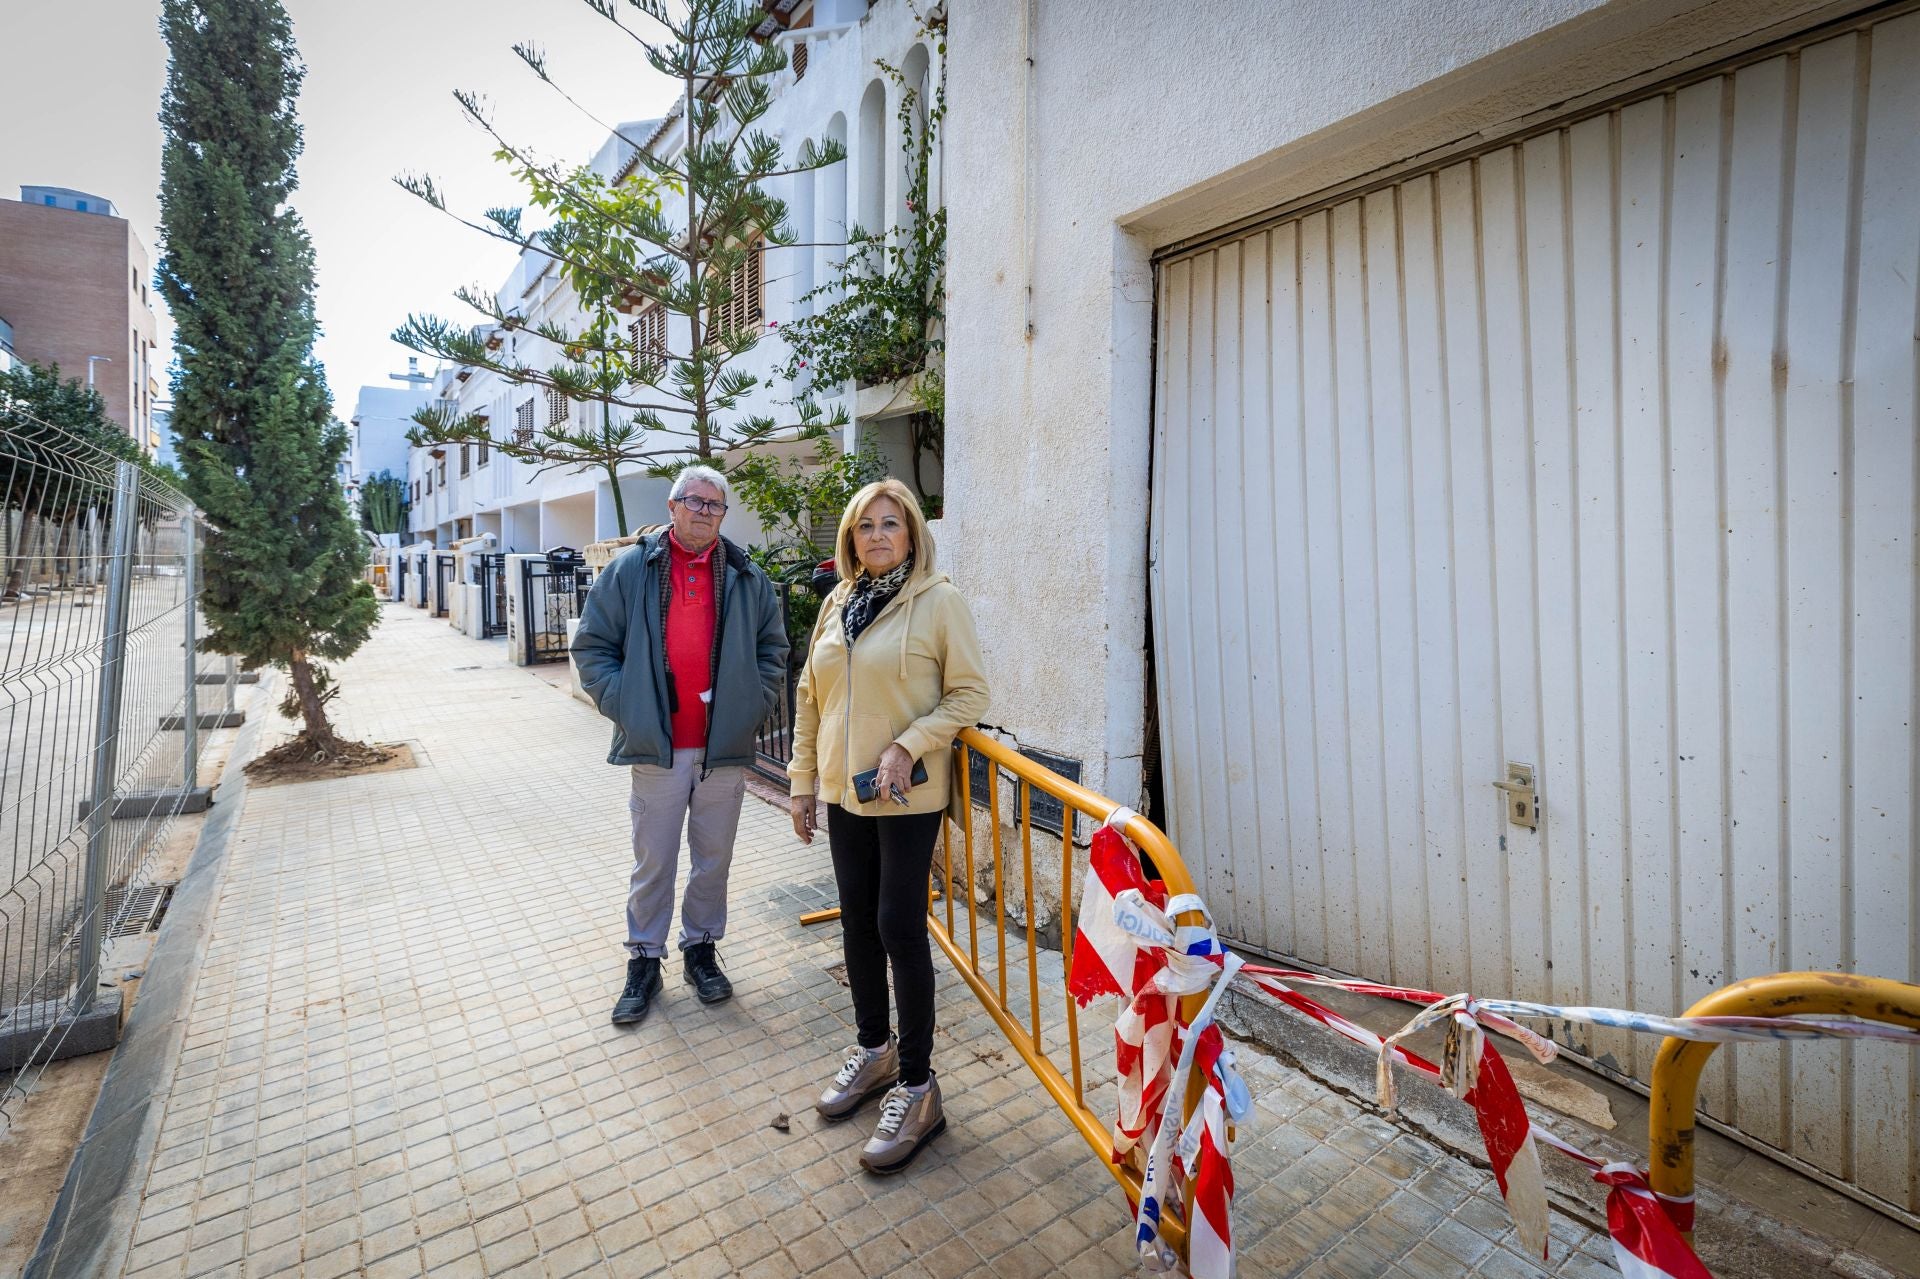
(987, 954)
(1675, 1088)
(1022, 1014)
(442, 585)
(773, 740)
(101, 706)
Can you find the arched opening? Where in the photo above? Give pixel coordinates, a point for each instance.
(796, 264)
(915, 72)
(870, 155)
(830, 207)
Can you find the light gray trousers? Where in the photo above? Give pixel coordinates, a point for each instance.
(662, 802)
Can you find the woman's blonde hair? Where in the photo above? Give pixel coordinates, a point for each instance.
(846, 560)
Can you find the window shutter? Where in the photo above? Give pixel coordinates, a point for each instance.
(747, 305)
(647, 334)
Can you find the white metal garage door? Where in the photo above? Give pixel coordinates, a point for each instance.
(1596, 453)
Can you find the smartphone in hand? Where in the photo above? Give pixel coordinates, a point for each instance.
(866, 786)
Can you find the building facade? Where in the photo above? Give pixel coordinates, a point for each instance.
(377, 432)
(73, 281)
(833, 89)
(1479, 405)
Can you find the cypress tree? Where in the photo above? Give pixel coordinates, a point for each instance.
(257, 439)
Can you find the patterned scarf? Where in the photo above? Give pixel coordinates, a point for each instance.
(870, 595)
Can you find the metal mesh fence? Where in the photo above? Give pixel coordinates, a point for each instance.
(101, 699)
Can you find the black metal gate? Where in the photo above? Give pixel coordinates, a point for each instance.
(490, 575)
(773, 743)
(400, 582)
(442, 580)
(553, 591)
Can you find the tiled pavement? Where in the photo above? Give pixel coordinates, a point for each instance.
(397, 1059)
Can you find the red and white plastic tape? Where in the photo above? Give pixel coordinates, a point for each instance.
(1127, 944)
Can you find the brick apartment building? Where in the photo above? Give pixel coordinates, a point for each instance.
(73, 286)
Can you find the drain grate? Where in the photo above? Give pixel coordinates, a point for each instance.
(133, 911)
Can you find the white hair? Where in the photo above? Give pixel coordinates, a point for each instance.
(704, 473)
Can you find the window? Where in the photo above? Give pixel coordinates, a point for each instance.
(50, 200)
(429, 483)
(440, 470)
(466, 460)
(556, 406)
(799, 61)
(745, 305)
(416, 492)
(523, 423)
(485, 448)
(79, 206)
(647, 335)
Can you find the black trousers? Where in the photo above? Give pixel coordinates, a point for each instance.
(881, 865)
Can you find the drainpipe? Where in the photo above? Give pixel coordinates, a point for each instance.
(1028, 20)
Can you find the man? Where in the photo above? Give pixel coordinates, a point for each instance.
(684, 648)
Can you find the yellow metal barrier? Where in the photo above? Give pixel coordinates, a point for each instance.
(990, 984)
(1676, 1070)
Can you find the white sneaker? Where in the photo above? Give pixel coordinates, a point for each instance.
(908, 1121)
(862, 1076)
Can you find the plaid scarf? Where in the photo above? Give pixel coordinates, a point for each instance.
(870, 595)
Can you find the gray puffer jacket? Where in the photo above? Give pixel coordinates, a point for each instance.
(621, 649)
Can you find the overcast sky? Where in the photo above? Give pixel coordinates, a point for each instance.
(80, 84)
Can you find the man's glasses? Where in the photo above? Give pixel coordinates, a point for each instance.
(703, 506)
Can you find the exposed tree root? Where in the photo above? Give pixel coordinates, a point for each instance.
(306, 758)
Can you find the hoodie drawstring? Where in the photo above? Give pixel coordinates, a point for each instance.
(906, 633)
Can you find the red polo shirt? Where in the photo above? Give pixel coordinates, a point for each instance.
(690, 625)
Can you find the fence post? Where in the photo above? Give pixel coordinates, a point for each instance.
(191, 770)
(113, 663)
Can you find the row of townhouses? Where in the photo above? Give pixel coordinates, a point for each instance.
(833, 89)
(1454, 465)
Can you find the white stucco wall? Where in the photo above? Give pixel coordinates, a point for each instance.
(382, 416)
(1137, 126)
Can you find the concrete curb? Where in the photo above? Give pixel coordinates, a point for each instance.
(91, 1228)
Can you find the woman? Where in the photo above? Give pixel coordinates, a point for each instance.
(893, 672)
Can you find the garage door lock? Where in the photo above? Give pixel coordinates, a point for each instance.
(1523, 801)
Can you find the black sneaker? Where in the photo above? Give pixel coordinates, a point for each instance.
(643, 983)
(703, 973)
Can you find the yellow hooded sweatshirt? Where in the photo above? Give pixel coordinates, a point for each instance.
(913, 677)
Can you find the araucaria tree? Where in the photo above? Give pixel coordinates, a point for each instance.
(257, 440)
(678, 245)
